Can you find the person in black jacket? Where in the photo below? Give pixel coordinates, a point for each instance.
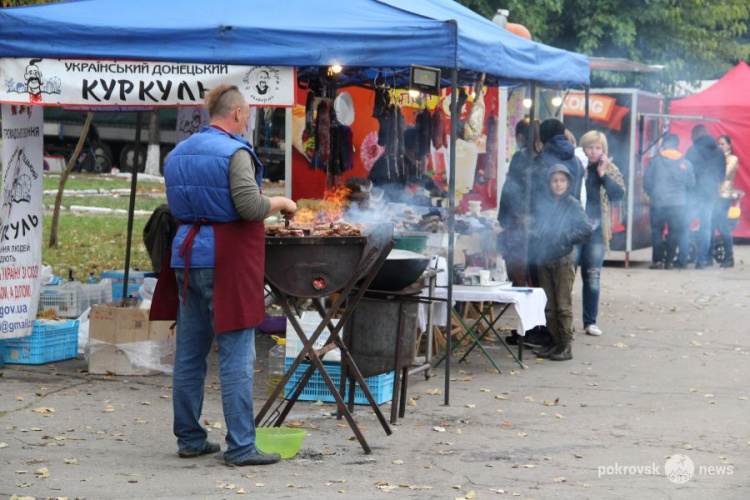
(709, 165)
(559, 223)
(557, 150)
(667, 180)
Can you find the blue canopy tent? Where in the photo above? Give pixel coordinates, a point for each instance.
(364, 34)
(361, 33)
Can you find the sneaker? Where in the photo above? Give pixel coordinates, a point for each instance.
(593, 330)
(537, 337)
(727, 263)
(208, 449)
(258, 458)
(657, 265)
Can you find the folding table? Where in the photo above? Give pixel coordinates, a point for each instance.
(528, 303)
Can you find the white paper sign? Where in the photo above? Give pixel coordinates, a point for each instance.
(84, 82)
(20, 219)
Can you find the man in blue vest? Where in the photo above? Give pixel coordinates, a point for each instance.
(218, 257)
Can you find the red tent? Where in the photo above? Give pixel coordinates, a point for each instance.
(728, 101)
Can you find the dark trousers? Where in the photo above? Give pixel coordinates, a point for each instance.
(721, 224)
(677, 237)
(556, 278)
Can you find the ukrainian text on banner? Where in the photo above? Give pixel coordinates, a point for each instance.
(94, 82)
(20, 219)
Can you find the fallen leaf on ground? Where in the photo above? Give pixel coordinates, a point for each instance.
(296, 423)
(559, 415)
(109, 408)
(500, 397)
(559, 479)
(43, 409)
(687, 446)
(484, 390)
(71, 461)
(42, 473)
(241, 491)
(3, 445)
(434, 392)
(438, 429)
(471, 406)
(620, 345)
(411, 402)
(398, 462)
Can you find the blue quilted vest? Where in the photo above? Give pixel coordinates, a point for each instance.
(197, 178)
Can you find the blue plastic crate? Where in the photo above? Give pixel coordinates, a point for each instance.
(2, 355)
(381, 386)
(48, 342)
(135, 280)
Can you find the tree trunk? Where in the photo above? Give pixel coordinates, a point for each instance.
(64, 178)
(153, 157)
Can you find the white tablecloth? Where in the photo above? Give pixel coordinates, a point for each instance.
(528, 302)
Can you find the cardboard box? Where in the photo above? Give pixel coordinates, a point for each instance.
(119, 328)
(122, 325)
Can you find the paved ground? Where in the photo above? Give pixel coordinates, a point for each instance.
(669, 376)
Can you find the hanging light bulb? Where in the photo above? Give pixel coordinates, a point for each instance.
(414, 93)
(527, 103)
(557, 101)
(336, 68)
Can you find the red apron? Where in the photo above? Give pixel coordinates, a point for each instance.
(239, 264)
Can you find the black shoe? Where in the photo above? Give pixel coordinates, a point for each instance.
(657, 265)
(727, 263)
(545, 350)
(258, 458)
(537, 337)
(208, 449)
(564, 353)
(679, 266)
(512, 339)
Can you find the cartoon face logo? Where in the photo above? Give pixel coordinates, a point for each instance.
(262, 85)
(33, 77)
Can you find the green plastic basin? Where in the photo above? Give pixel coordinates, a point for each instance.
(285, 441)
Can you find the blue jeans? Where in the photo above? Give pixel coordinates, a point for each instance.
(703, 209)
(591, 258)
(195, 335)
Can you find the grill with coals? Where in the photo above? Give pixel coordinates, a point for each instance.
(310, 267)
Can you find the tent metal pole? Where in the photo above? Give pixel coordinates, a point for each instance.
(131, 208)
(530, 154)
(587, 119)
(451, 230)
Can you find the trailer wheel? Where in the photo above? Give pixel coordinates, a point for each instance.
(127, 157)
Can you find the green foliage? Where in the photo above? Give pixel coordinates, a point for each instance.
(694, 39)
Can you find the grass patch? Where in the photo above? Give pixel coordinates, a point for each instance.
(97, 181)
(93, 243)
(142, 202)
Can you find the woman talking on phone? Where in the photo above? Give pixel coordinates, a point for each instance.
(604, 185)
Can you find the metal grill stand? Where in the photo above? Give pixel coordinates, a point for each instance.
(373, 260)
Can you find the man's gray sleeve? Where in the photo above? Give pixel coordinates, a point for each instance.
(248, 201)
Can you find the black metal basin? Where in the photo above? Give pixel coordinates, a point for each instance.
(401, 269)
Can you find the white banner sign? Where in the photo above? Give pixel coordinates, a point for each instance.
(20, 219)
(84, 82)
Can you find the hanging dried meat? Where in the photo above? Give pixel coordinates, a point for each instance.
(490, 164)
(437, 127)
(323, 131)
(474, 123)
(424, 129)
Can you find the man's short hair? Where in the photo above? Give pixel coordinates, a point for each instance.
(223, 99)
(550, 128)
(522, 127)
(698, 131)
(670, 141)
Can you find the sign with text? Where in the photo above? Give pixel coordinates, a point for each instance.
(20, 219)
(600, 106)
(96, 82)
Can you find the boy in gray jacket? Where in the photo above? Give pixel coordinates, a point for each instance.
(559, 223)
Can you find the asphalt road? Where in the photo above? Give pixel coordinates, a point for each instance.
(669, 376)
